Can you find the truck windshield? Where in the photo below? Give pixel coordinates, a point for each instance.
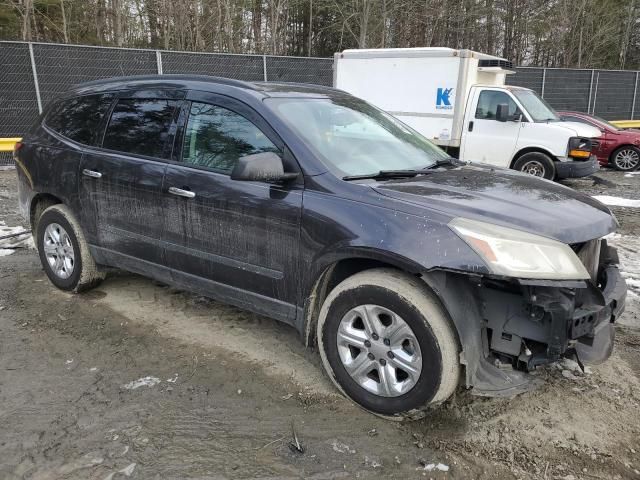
(538, 109)
(352, 137)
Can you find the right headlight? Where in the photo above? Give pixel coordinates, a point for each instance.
(514, 253)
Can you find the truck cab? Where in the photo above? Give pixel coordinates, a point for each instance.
(458, 99)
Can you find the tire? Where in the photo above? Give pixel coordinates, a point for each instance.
(625, 158)
(391, 297)
(64, 252)
(537, 164)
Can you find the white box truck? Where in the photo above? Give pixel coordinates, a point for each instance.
(458, 99)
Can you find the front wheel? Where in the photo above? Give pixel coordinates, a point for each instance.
(387, 343)
(626, 158)
(537, 164)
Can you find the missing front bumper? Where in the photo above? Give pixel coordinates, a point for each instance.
(508, 328)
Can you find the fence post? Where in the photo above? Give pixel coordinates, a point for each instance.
(590, 91)
(544, 78)
(35, 77)
(159, 61)
(635, 96)
(595, 95)
(264, 67)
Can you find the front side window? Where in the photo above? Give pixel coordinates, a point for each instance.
(488, 102)
(216, 138)
(352, 137)
(140, 126)
(79, 118)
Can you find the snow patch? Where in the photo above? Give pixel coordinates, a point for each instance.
(22, 241)
(617, 201)
(142, 382)
(430, 467)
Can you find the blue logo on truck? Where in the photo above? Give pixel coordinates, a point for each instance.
(442, 98)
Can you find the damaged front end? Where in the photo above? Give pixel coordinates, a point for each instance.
(508, 327)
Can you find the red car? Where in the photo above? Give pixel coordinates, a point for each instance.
(618, 148)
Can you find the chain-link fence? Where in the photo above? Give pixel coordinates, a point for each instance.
(33, 74)
(610, 94)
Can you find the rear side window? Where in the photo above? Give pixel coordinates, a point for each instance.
(216, 138)
(140, 126)
(79, 118)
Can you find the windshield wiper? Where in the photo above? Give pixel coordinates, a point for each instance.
(384, 174)
(442, 162)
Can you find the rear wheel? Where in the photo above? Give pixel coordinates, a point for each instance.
(387, 343)
(64, 253)
(626, 158)
(537, 164)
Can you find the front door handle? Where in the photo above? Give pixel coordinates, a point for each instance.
(91, 173)
(471, 126)
(181, 193)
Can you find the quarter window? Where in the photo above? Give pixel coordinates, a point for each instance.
(140, 126)
(216, 138)
(488, 104)
(79, 118)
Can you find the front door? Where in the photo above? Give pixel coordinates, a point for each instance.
(485, 139)
(121, 179)
(233, 240)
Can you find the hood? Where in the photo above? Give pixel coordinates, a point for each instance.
(507, 198)
(631, 135)
(578, 129)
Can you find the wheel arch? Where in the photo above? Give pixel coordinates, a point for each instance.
(526, 150)
(334, 271)
(39, 203)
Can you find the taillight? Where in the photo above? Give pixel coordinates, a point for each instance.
(18, 146)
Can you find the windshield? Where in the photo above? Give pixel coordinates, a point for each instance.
(352, 137)
(607, 124)
(538, 109)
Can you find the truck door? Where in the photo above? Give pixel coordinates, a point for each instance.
(484, 138)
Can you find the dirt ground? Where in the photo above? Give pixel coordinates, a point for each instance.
(138, 380)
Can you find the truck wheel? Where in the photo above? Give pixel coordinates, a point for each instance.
(626, 158)
(537, 164)
(64, 253)
(387, 343)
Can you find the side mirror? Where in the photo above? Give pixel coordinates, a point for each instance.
(502, 112)
(261, 167)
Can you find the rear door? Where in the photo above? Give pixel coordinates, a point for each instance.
(234, 240)
(121, 180)
(485, 139)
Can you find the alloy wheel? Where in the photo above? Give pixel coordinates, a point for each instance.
(58, 250)
(379, 350)
(627, 159)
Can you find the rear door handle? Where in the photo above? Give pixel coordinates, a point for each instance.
(471, 126)
(181, 193)
(91, 173)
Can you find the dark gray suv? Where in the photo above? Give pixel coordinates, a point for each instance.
(411, 272)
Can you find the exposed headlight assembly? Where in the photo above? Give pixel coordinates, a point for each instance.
(514, 253)
(579, 147)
